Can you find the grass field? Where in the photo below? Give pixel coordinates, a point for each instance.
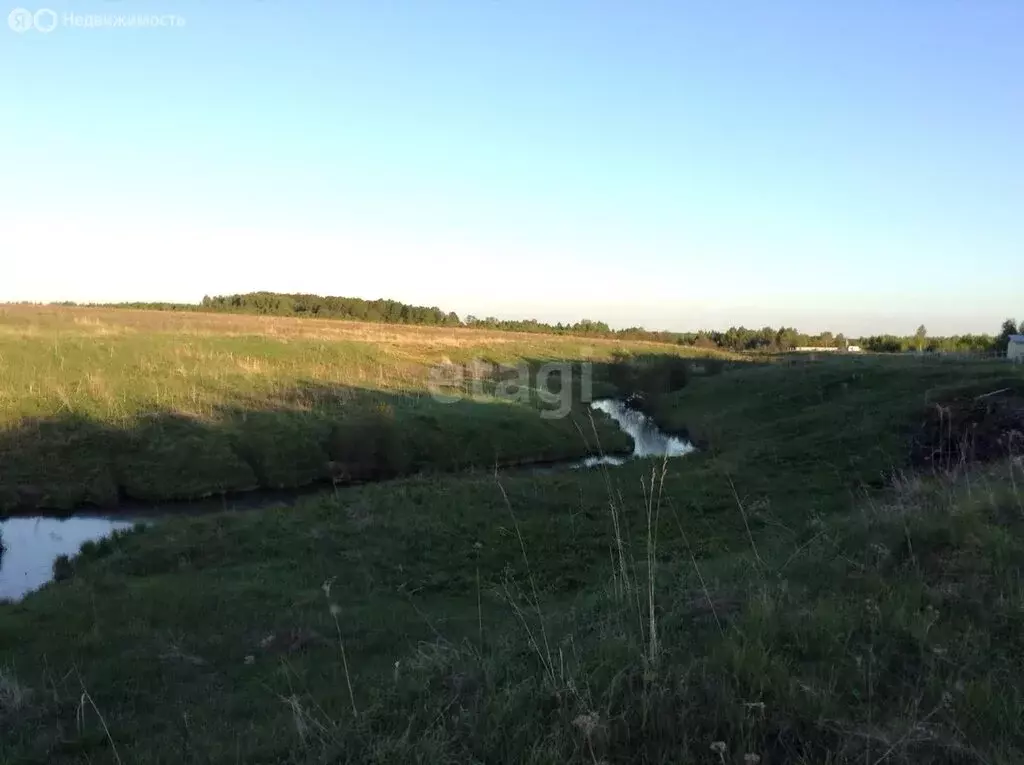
(835, 577)
(102, 405)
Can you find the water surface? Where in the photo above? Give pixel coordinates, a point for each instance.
(33, 544)
(648, 439)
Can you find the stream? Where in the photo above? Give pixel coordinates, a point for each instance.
(33, 543)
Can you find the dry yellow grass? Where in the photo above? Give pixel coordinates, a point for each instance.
(111, 364)
(34, 320)
(166, 402)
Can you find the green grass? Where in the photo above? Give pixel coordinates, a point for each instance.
(806, 589)
(135, 405)
(838, 424)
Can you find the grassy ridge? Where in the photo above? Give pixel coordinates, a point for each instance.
(797, 592)
(100, 405)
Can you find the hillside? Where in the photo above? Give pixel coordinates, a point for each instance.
(813, 586)
(146, 406)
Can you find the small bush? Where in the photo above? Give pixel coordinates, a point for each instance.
(63, 568)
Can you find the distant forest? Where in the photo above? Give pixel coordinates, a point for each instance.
(733, 339)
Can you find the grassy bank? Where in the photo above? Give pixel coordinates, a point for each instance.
(102, 405)
(833, 579)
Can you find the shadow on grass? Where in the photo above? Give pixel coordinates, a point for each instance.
(318, 433)
(350, 436)
(775, 621)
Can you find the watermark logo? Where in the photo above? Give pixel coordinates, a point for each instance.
(554, 385)
(45, 20)
(21, 20)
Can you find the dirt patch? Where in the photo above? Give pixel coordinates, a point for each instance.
(971, 427)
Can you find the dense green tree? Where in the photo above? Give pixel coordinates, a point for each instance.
(884, 344)
(919, 338)
(275, 304)
(787, 338)
(1002, 340)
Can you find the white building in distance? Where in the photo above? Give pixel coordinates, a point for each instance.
(826, 349)
(1015, 348)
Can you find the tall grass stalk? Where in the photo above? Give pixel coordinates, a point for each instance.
(80, 716)
(653, 507)
(335, 610)
(547, 657)
(746, 523)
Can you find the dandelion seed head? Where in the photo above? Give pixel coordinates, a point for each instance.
(587, 723)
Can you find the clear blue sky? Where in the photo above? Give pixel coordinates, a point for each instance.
(854, 166)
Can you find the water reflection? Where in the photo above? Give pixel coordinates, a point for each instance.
(33, 544)
(648, 440)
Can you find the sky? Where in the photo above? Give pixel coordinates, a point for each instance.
(854, 166)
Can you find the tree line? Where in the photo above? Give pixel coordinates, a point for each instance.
(330, 307)
(920, 341)
(733, 339)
